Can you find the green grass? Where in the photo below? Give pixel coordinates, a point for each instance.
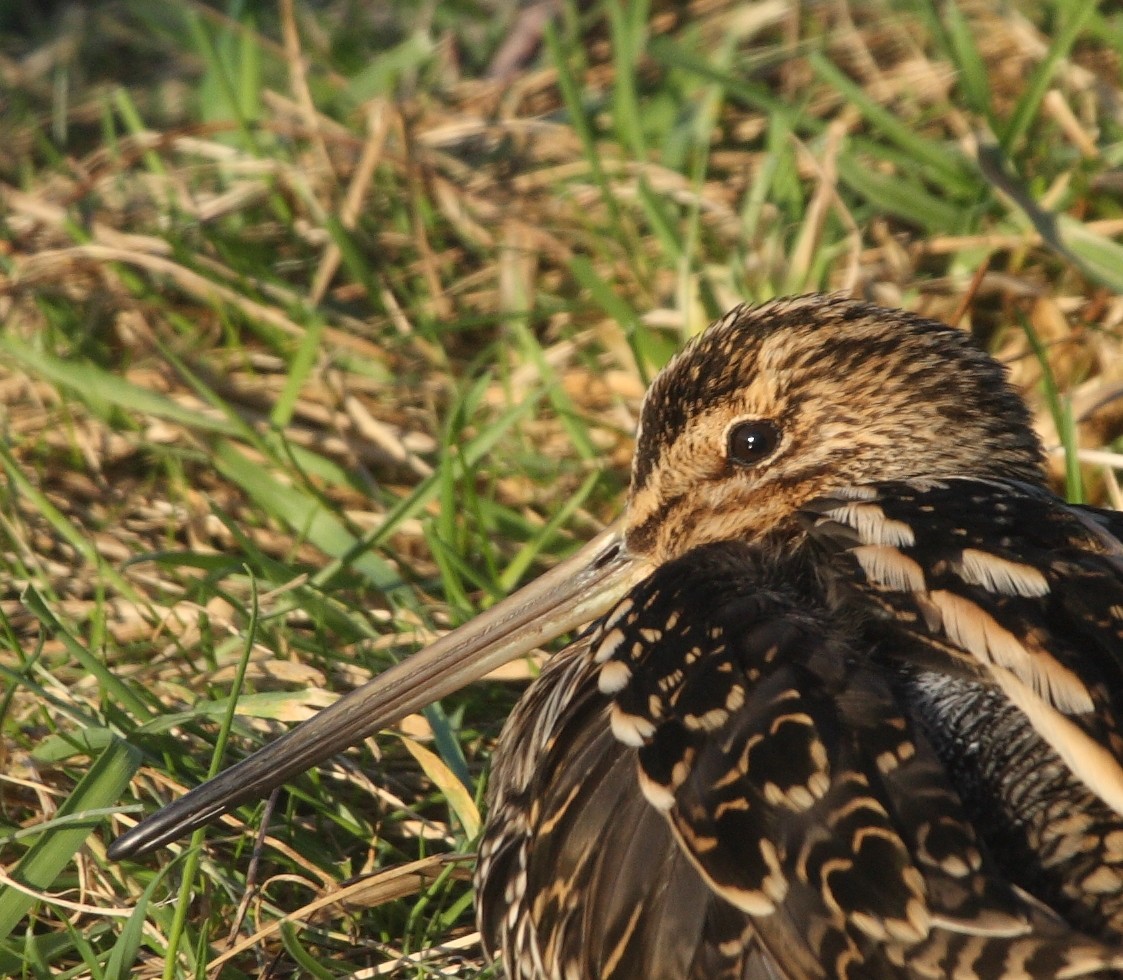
(309, 352)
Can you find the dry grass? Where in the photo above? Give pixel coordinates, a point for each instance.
(318, 320)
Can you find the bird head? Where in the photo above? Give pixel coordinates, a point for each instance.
(764, 411)
(776, 405)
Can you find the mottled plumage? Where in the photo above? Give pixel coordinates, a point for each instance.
(871, 686)
(850, 705)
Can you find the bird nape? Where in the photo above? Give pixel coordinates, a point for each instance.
(851, 701)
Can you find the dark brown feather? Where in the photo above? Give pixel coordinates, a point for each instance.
(786, 736)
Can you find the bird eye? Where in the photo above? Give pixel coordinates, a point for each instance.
(753, 441)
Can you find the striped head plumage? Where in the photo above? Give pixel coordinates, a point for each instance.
(773, 406)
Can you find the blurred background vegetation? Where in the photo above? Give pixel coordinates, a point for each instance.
(325, 324)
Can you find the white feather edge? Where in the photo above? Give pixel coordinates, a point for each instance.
(1088, 760)
(976, 632)
(889, 567)
(873, 527)
(1001, 575)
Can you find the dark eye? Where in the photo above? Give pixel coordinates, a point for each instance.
(753, 441)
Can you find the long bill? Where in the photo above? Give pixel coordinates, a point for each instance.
(565, 598)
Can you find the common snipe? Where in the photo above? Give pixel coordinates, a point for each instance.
(851, 701)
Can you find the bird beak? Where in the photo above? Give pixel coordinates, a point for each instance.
(565, 598)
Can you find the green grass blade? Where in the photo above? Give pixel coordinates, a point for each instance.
(621, 229)
(122, 963)
(178, 930)
(306, 515)
(120, 692)
(100, 387)
(972, 74)
(1075, 15)
(947, 165)
(100, 787)
(299, 371)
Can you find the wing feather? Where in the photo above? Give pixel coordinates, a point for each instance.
(1005, 583)
(584, 866)
(799, 787)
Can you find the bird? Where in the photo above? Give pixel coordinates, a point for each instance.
(846, 695)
